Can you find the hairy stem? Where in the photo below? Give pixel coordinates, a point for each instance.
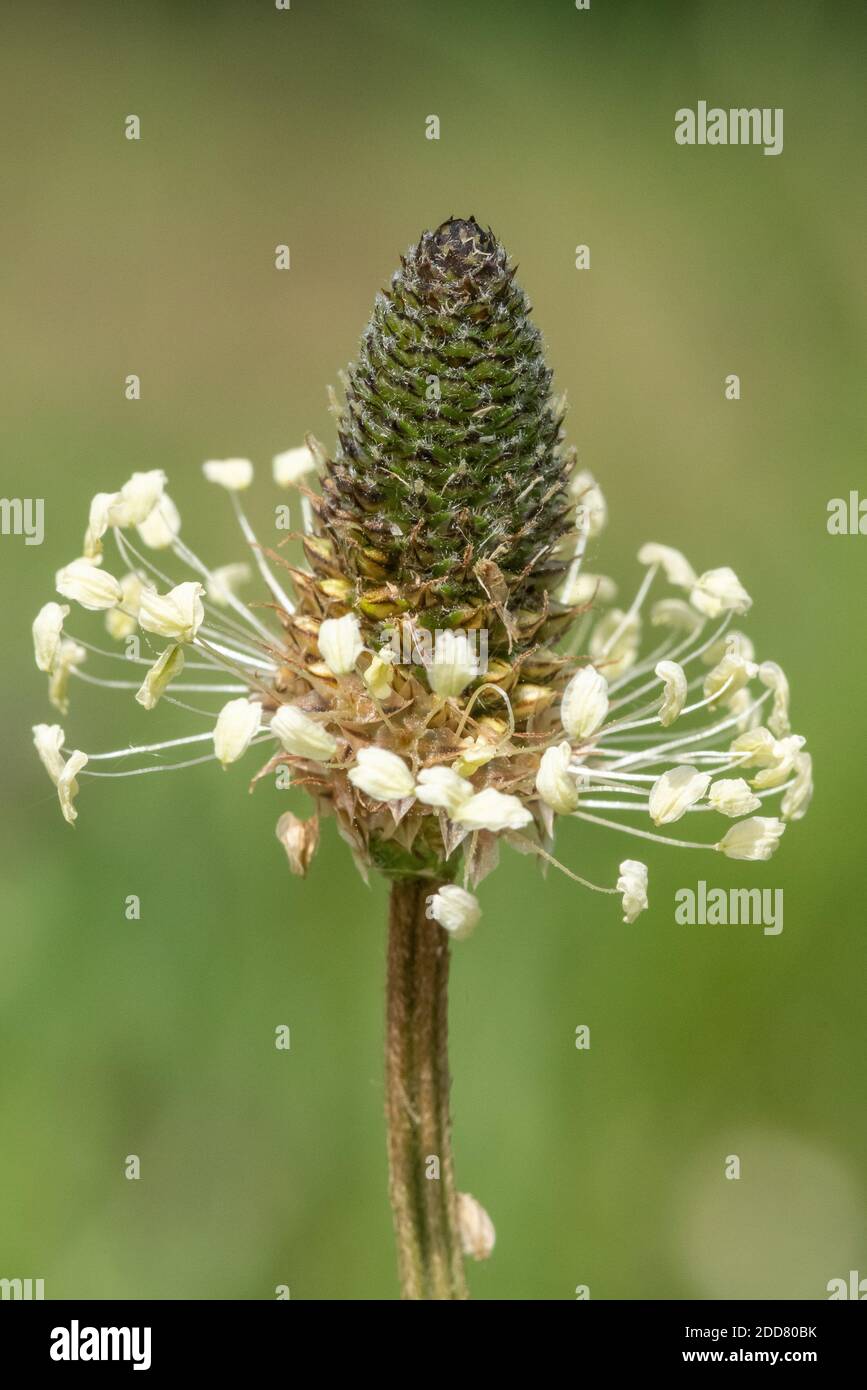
(421, 1171)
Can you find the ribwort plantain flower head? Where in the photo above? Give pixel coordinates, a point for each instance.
(441, 675)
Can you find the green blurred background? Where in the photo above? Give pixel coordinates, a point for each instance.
(260, 1167)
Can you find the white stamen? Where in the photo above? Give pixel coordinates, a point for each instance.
(631, 613)
(699, 737)
(264, 569)
(151, 747)
(165, 767)
(641, 834)
(134, 685)
(184, 553)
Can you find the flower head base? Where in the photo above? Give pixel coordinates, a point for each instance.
(451, 506)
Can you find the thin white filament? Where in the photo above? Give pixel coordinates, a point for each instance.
(264, 568)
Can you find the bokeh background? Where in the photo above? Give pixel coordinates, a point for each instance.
(260, 1167)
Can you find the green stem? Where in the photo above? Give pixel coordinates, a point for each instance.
(421, 1171)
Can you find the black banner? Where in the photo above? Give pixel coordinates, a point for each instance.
(154, 1338)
